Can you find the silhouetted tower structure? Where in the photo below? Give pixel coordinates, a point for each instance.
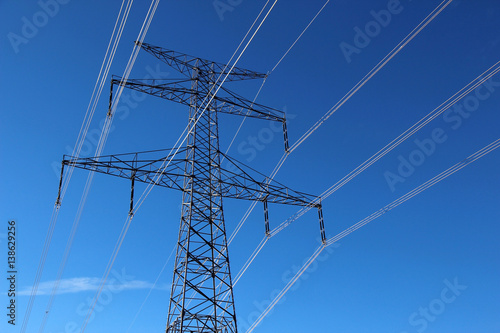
(201, 298)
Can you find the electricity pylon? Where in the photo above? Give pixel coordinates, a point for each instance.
(201, 297)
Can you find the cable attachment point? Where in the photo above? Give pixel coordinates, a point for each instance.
(285, 136)
(266, 216)
(321, 223)
(58, 200)
(110, 107)
(131, 211)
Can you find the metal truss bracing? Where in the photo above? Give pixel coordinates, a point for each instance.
(202, 276)
(201, 298)
(166, 169)
(176, 90)
(187, 64)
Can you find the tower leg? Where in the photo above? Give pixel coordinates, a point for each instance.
(202, 293)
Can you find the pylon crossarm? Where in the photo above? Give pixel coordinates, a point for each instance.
(180, 91)
(145, 169)
(241, 183)
(186, 64)
(170, 89)
(236, 104)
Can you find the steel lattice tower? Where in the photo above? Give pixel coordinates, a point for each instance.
(201, 297)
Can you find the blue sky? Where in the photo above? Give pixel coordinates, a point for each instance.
(430, 265)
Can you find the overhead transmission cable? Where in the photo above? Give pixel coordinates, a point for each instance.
(41, 265)
(344, 99)
(99, 149)
(253, 204)
(443, 175)
(296, 40)
(431, 182)
(108, 58)
(290, 283)
(128, 69)
(86, 190)
(351, 92)
(374, 71)
(364, 80)
(95, 98)
(474, 84)
(275, 66)
(150, 290)
(102, 140)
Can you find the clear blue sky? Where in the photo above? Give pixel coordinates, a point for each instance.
(391, 276)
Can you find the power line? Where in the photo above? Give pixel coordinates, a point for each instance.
(108, 58)
(344, 99)
(290, 283)
(252, 206)
(150, 290)
(431, 182)
(303, 31)
(99, 149)
(354, 89)
(374, 71)
(443, 175)
(104, 136)
(490, 72)
(474, 84)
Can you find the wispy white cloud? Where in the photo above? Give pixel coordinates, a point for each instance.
(82, 284)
